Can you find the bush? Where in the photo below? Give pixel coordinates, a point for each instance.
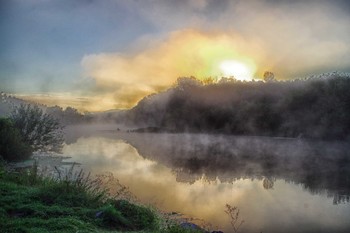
(38, 129)
(74, 190)
(12, 146)
(140, 217)
(111, 217)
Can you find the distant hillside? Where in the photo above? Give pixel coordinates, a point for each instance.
(66, 116)
(8, 103)
(110, 116)
(313, 107)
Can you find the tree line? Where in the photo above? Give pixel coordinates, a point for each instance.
(312, 108)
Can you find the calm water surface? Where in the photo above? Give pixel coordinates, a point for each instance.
(279, 185)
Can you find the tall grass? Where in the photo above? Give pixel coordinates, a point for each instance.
(73, 201)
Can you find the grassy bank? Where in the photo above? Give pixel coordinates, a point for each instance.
(33, 203)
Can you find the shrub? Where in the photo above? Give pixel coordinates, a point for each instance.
(12, 146)
(111, 217)
(38, 129)
(74, 189)
(140, 217)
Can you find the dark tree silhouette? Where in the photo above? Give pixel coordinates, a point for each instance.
(313, 108)
(269, 76)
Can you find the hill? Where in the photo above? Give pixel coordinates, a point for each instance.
(313, 107)
(8, 102)
(66, 116)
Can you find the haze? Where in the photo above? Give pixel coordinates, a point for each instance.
(100, 55)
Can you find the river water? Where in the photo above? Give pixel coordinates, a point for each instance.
(279, 185)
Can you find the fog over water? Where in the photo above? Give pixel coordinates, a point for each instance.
(279, 185)
(156, 93)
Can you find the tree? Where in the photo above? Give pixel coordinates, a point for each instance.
(269, 76)
(184, 83)
(38, 129)
(12, 146)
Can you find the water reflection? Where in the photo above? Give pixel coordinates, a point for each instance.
(318, 166)
(279, 185)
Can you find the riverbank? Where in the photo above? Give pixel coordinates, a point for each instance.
(30, 202)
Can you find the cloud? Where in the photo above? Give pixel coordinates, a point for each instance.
(134, 48)
(290, 39)
(129, 77)
(299, 37)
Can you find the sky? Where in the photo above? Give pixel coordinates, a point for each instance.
(98, 55)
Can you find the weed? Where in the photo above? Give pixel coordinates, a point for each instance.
(233, 213)
(75, 188)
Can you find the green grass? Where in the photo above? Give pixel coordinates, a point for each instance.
(33, 203)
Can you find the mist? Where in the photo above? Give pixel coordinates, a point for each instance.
(318, 166)
(191, 106)
(196, 174)
(314, 107)
(117, 52)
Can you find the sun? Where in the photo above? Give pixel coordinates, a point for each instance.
(237, 69)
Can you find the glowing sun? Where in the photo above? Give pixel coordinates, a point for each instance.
(238, 70)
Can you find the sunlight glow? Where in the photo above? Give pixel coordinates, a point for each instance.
(238, 70)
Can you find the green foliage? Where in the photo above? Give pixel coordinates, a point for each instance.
(39, 130)
(30, 202)
(29, 177)
(113, 218)
(12, 146)
(175, 228)
(140, 217)
(72, 189)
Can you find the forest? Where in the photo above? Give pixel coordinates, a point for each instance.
(313, 107)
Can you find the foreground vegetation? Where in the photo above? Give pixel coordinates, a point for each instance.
(12, 145)
(30, 202)
(29, 129)
(62, 202)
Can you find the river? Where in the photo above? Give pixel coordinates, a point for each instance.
(279, 185)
